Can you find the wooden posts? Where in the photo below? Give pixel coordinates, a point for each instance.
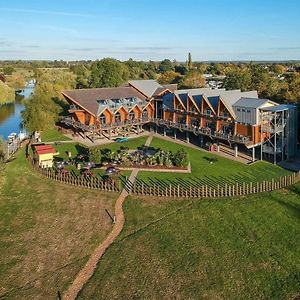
(171, 190)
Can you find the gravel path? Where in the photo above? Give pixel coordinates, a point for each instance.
(88, 270)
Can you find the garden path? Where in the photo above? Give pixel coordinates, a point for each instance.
(88, 270)
(149, 140)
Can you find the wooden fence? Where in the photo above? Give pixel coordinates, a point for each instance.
(140, 188)
(205, 191)
(87, 182)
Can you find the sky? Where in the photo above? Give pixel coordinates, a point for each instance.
(150, 29)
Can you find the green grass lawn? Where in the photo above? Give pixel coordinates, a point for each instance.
(52, 135)
(47, 231)
(242, 248)
(203, 172)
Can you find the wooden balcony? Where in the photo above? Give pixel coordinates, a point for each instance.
(203, 131)
(94, 128)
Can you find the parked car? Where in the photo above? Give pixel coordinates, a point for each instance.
(112, 171)
(122, 139)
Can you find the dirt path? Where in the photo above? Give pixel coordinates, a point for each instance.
(88, 270)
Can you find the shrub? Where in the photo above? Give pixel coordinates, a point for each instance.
(95, 155)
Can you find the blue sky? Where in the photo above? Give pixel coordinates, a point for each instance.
(150, 29)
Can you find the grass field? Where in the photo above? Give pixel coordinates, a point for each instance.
(47, 231)
(203, 172)
(52, 135)
(242, 248)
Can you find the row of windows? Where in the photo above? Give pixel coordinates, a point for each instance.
(244, 110)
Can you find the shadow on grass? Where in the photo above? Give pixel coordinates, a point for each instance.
(293, 208)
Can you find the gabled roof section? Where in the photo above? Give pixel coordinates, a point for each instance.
(146, 87)
(171, 87)
(229, 98)
(88, 99)
(194, 102)
(253, 102)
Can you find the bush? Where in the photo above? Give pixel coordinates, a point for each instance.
(181, 158)
(95, 155)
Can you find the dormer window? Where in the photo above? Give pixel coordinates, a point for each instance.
(102, 102)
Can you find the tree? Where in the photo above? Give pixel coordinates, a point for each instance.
(3, 150)
(193, 79)
(292, 94)
(278, 69)
(8, 70)
(169, 77)
(7, 94)
(166, 65)
(189, 62)
(238, 79)
(95, 154)
(108, 72)
(43, 108)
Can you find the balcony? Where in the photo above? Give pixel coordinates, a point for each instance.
(203, 131)
(69, 121)
(272, 128)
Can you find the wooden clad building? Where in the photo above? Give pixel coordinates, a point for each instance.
(232, 116)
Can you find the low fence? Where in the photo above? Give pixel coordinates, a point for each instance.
(205, 191)
(139, 188)
(90, 182)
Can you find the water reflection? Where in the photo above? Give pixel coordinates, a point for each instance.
(10, 114)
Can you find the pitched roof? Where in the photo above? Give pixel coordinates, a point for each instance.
(172, 87)
(147, 87)
(87, 98)
(44, 149)
(252, 102)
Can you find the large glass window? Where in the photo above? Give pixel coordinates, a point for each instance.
(131, 115)
(102, 119)
(145, 114)
(117, 117)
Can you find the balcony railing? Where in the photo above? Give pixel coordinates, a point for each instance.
(71, 122)
(272, 128)
(205, 131)
(183, 127)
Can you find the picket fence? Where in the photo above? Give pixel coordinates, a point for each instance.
(140, 188)
(91, 182)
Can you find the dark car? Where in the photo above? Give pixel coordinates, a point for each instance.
(112, 171)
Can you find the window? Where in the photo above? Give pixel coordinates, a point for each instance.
(103, 119)
(145, 114)
(243, 110)
(117, 117)
(248, 110)
(131, 115)
(207, 112)
(238, 109)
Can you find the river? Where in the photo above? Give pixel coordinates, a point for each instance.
(10, 114)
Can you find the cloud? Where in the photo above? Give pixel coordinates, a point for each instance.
(32, 46)
(47, 12)
(4, 43)
(286, 48)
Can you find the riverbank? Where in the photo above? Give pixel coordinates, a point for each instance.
(10, 113)
(7, 94)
